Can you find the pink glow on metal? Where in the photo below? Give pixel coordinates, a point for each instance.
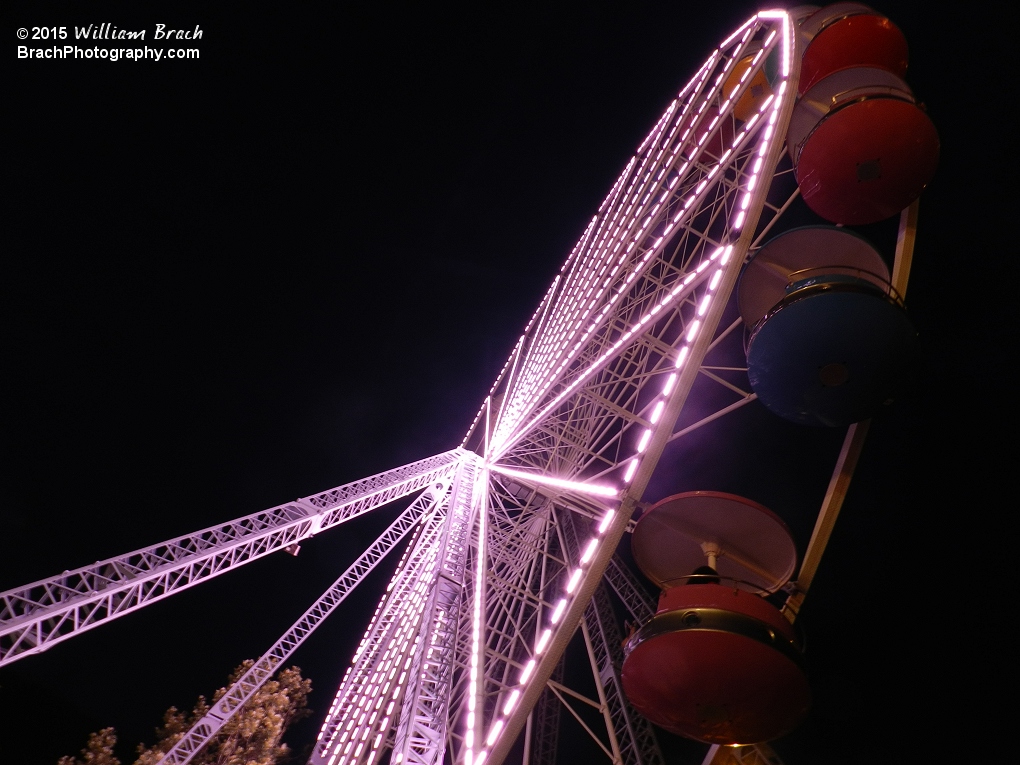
(590, 550)
(612, 243)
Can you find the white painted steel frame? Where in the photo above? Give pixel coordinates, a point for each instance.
(395, 623)
(658, 319)
(422, 732)
(38, 615)
(631, 733)
(476, 618)
(406, 658)
(266, 666)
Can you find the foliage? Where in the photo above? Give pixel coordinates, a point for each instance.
(98, 751)
(250, 737)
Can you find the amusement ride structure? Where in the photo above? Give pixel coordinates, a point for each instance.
(688, 275)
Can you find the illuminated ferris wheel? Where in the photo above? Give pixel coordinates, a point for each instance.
(509, 554)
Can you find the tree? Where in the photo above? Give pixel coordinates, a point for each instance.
(250, 737)
(98, 751)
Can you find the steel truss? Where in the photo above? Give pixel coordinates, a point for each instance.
(192, 742)
(631, 732)
(513, 545)
(38, 615)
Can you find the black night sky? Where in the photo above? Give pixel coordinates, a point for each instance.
(300, 260)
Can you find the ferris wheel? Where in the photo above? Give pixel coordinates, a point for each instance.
(510, 546)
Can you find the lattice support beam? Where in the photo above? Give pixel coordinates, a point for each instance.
(245, 686)
(632, 732)
(422, 731)
(373, 684)
(41, 614)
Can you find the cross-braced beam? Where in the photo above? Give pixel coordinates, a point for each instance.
(238, 694)
(41, 614)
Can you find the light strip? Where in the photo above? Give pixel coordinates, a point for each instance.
(722, 254)
(561, 483)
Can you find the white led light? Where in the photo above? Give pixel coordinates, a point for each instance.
(691, 332)
(682, 356)
(557, 613)
(713, 284)
(657, 411)
(574, 579)
(512, 701)
(543, 641)
(641, 447)
(592, 544)
(668, 385)
(630, 470)
(585, 488)
(528, 669)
